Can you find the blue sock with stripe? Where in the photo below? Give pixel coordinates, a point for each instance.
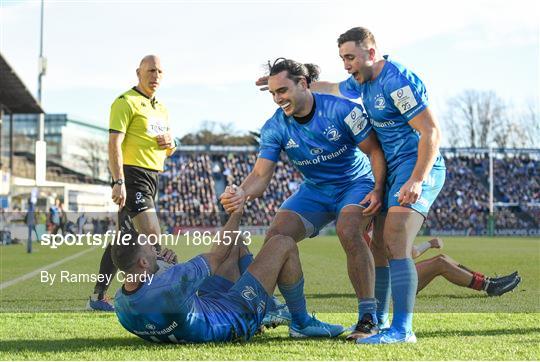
(244, 262)
(367, 306)
(404, 281)
(296, 301)
(382, 292)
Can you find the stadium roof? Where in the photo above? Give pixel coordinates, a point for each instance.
(14, 96)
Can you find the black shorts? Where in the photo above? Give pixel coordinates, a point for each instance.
(141, 189)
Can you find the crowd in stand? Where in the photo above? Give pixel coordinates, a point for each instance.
(187, 195)
(191, 184)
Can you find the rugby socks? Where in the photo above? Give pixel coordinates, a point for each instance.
(106, 267)
(404, 282)
(382, 292)
(367, 306)
(244, 262)
(478, 281)
(296, 301)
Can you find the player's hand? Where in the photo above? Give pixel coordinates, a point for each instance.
(168, 256)
(119, 195)
(165, 141)
(233, 199)
(373, 200)
(436, 243)
(263, 83)
(410, 192)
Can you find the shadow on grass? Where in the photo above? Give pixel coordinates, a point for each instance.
(479, 333)
(104, 344)
(453, 296)
(330, 295)
(43, 300)
(70, 344)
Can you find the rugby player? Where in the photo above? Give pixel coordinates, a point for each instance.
(451, 270)
(322, 136)
(169, 309)
(139, 142)
(396, 101)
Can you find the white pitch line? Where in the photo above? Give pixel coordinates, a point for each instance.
(46, 267)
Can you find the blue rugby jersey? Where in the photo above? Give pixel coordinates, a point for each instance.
(395, 97)
(169, 310)
(324, 149)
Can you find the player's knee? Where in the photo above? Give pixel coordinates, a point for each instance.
(348, 232)
(442, 259)
(389, 251)
(271, 233)
(285, 243)
(379, 253)
(354, 247)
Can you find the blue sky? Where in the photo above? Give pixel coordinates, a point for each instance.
(212, 51)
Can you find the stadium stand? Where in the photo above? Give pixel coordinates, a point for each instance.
(193, 181)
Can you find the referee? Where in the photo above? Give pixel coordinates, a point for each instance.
(139, 143)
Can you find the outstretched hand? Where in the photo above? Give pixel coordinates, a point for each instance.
(233, 199)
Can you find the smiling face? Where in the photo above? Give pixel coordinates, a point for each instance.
(357, 60)
(287, 94)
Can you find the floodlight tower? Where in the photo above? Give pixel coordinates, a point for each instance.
(41, 147)
(491, 217)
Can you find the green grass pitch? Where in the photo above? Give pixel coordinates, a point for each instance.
(40, 322)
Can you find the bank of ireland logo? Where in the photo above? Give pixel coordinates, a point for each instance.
(379, 102)
(248, 293)
(332, 134)
(150, 326)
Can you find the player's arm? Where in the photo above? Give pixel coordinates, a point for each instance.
(258, 179)
(120, 118)
(115, 165)
(370, 146)
(253, 186)
(428, 146)
(319, 87)
(418, 250)
(326, 87)
(221, 250)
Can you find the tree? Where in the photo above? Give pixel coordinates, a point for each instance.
(478, 117)
(222, 134)
(95, 158)
(530, 121)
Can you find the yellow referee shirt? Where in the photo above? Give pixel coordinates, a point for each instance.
(141, 119)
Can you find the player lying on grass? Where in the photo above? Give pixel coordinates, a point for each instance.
(169, 309)
(451, 270)
(457, 273)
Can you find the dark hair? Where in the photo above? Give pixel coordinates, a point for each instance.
(360, 35)
(295, 70)
(125, 256)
